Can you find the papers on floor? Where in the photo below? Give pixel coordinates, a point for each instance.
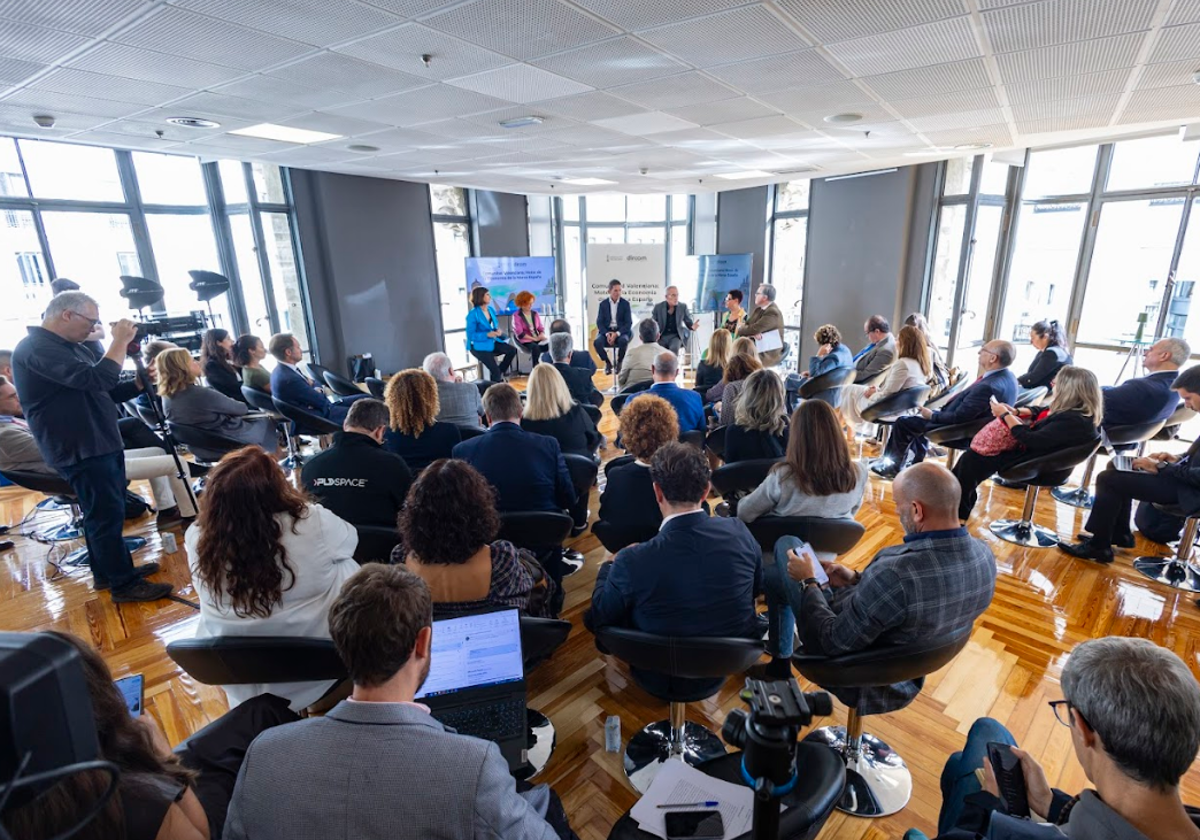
(678, 783)
(771, 340)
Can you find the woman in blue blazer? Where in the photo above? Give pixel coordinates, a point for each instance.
(484, 336)
(832, 353)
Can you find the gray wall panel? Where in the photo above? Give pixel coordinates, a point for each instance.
(742, 226)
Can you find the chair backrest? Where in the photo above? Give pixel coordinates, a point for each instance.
(593, 412)
(583, 471)
(618, 402)
(836, 378)
(694, 657)
(258, 399)
(375, 386)
(1052, 469)
(340, 385)
(636, 388)
(468, 432)
(833, 535)
(742, 476)
(375, 543)
(897, 403)
(316, 372)
(873, 380)
(714, 442)
(881, 665)
(693, 436)
(307, 422)
(535, 529)
(540, 637)
(1133, 433)
(1027, 396)
(204, 439)
(950, 393)
(51, 485)
(238, 660)
(949, 435)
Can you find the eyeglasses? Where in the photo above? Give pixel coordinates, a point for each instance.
(95, 322)
(1062, 712)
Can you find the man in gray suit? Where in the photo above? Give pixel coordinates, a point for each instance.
(378, 765)
(881, 352)
(674, 320)
(458, 402)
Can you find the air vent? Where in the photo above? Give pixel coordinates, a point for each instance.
(193, 122)
(801, 170)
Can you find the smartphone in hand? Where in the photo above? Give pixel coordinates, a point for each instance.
(133, 689)
(1010, 779)
(818, 569)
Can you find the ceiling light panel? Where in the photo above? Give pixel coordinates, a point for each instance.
(150, 66)
(203, 38)
(841, 20)
(927, 81)
(402, 49)
(520, 83)
(315, 22)
(778, 72)
(1071, 59)
(746, 33)
(918, 46)
(357, 79)
(675, 91)
(1032, 25)
(610, 63)
(524, 29)
(283, 133)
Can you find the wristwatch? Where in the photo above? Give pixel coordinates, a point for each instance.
(807, 582)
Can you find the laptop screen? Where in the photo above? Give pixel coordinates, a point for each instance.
(474, 651)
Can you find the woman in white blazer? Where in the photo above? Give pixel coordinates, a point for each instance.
(911, 368)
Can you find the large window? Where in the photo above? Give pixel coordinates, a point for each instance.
(452, 244)
(789, 240)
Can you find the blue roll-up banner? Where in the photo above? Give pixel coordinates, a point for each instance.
(505, 276)
(718, 273)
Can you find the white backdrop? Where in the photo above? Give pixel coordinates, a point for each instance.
(642, 270)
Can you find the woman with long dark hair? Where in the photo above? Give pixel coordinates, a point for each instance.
(215, 353)
(266, 561)
(1051, 343)
(248, 354)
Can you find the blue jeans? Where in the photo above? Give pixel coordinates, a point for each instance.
(783, 600)
(958, 776)
(99, 483)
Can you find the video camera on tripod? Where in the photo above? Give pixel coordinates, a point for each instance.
(186, 331)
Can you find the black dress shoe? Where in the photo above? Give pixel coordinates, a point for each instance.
(777, 669)
(1088, 550)
(142, 571)
(1120, 541)
(143, 591)
(888, 472)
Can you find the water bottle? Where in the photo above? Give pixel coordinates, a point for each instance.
(612, 734)
(169, 544)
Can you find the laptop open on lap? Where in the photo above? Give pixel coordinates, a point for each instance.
(476, 681)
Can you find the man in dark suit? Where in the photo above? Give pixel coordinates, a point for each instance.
(698, 577)
(932, 586)
(908, 433)
(674, 321)
(1160, 478)
(1149, 398)
(614, 326)
(292, 386)
(688, 405)
(527, 469)
(880, 353)
(578, 379)
(579, 358)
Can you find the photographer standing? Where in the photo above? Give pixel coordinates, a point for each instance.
(73, 417)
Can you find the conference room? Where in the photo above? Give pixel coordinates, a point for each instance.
(710, 397)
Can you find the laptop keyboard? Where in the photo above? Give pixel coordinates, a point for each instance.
(492, 722)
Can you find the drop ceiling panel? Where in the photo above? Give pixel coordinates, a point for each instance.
(961, 120)
(35, 43)
(18, 119)
(275, 89)
(1032, 25)
(333, 124)
(402, 49)
(1184, 11)
(395, 139)
(746, 33)
(652, 122)
(610, 63)
(763, 127)
(841, 20)
(235, 106)
(1068, 87)
(114, 140)
(150, 66)
(145, 130)
(837, 96)
(643, 15)
(13, 71)
(1176, 43)
(1071, 59)
(727, 110)
(84, 17)
(524, 29)
(918, 46)
(310, 156)
(316, 22)
(357, 79)
(589, 106)
(104, 86)
(203, 38)
(962, 100)
(1100, 107)
(675, 91)
(424, 105)
(44, 101)
(1168, 74)
(778, 72)
(927, 81)
(520, 83)
(997, 134)
(1185, 97)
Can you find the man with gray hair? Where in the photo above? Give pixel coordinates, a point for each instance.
(688, 405)
(1133, 709)
(764, 319)
(458, 401)
(639, 362)
(676, 321)
(579, 380)
(70, 401)
(1149, 398)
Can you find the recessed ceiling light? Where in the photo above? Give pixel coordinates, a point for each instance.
(362, 147)
(970, 147)
(843, 119)
(284, 133)
(522, 122)
(587, 182)
(193, 122)
(738, 176)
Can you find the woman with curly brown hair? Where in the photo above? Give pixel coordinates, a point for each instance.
(416, 434)
(448, 525)
(628, 509)
(831, 352)
(266, 562)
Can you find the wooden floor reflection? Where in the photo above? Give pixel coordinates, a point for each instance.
(1045, 604)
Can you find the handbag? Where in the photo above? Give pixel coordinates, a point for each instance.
(993, 439)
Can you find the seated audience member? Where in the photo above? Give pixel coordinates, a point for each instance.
(6, 364)
(1051, 344)
(1160, 478)
(940, 377)
(932, 586)
(549, 410)
(527, 327)
(674, 320)
(912, 368)
(578, 379)
(742, 363)
(19, 451)
(292, 386)
(764, 318)
(760, 427)
(698, 576)
(187, 403)
(1149, 398)
(734, 315)
(831, 354)
(357, 478)
(712, 366)
(973, 403)
(1133, 709)
(215, 353)
(688, 405)
(378, 765)
(1073, 418)
(739, 371)
(818, 476)
(416, 435)
(638, 366)
(458, 401)
(527, 470)
(877, 356)
(449, 528)
(248, 354)
(579, 358)
(628, 510)
(266, 562)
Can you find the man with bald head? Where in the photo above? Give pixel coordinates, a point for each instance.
(932, 586)
(908, 443)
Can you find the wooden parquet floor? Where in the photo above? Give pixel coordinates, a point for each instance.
(1045, 604)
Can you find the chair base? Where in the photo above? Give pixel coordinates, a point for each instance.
(1080, 497)
(572, 561)
(79, 557)
(1170, 571)
(651, 748)
(542, 740)
(1023, 533)
(878, 783)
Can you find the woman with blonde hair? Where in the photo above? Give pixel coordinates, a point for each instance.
(760, 427)
(187, 403)
(527, 327)
(1072, 418)
(550, 411)
(416, 435)
(911, 368)
(712, 365)
(831, 352)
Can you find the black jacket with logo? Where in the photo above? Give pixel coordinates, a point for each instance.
(359, 480)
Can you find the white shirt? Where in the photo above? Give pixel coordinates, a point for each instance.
(667, 519)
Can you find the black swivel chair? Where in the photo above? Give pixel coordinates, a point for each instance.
(375, 543)
(1170, 429)
(262, 401)
(468, 432)
(956, 437)
(886, 411)
(693, 436)
(583, 472)
(592, 412)
(540, 637)
(306, 422)
(836, 536)
(1035, 473)
(317, 372)
(623, 396)
(376, 386)
(675, 739)
(207, 446)
(1181, 570)
(1029, 396)
(941, 400)
(714, 442)
(733, 481)
(340, 385)
(1081, 496)
(878, 781)
(828, 386)
(543, 533)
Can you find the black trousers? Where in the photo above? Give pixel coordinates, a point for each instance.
(137, 435)
(907, 433)
(602, 347)
(1115, 494)
(535, 351)
(488, 358)
(99, 483)
(972, 469)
